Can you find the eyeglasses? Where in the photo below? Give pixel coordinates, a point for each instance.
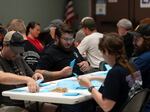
(68, 39)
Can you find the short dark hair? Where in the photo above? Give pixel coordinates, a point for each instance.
(63, 29)
(31, 25)
(88, 23)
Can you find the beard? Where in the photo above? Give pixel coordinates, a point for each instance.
(66, 49)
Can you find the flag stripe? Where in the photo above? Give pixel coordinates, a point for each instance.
(70, 10)
(69, 14)
(69, 3)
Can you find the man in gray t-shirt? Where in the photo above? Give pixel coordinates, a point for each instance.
(14, 72)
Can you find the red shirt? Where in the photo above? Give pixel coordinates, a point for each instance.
(38, 45)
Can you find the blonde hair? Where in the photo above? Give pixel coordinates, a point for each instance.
(17, 25)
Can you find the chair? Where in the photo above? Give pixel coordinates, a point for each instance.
(102, 66)
(137, 102)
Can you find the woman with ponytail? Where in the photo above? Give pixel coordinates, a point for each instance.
(114, 91)
(33, 47)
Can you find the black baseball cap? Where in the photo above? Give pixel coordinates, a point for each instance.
(142, 30)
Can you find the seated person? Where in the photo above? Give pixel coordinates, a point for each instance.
(142, 52)
(89, 44)
(60, 54)
(13, 70)
(124, 26)
(32, 47)
(114, 91)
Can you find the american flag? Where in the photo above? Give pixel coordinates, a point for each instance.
(69, 12)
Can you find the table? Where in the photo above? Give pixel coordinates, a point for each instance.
(79, 94)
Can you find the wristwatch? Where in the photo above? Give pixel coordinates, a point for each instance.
(90, 88)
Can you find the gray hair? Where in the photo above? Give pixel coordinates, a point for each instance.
(79, 36)
(125, 23)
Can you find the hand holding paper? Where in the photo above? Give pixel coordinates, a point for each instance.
(72, 63)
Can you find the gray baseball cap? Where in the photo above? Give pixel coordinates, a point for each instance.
(15, 40)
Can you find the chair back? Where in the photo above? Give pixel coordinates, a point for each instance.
(137, 102)
(102, 66)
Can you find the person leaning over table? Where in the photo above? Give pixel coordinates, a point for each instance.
(13, 79)
(18, 25)
(114, 90)
(14, 72)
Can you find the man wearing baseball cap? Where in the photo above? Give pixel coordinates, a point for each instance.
(141, 43)
(142, 51)
(14, 72)
(14, 40)
(89, 44)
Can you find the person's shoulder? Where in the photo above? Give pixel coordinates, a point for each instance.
(97, 34)
(128, 37)
(93, 36)
(19, 58)
(26, 43)
(145, 55)
(28, 46)
(86, 38)
(51, 49)
(117, 70)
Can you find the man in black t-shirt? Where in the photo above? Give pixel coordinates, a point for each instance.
(60, 54)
